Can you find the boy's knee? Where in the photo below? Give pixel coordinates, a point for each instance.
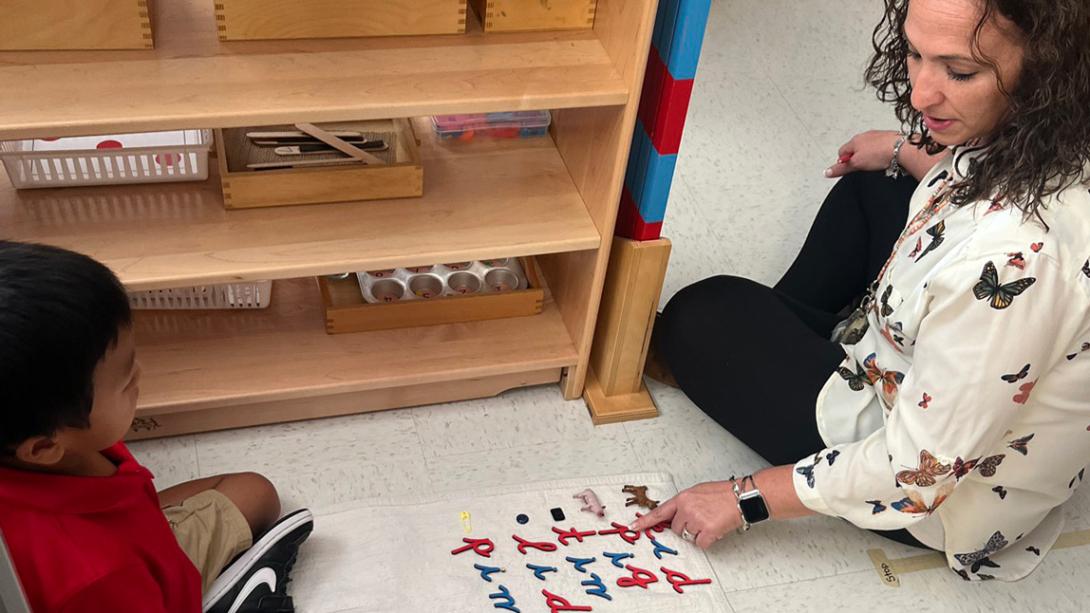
(263, 489)
(264, 492)
(255, 496)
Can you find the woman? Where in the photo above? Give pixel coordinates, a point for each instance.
(952, 408)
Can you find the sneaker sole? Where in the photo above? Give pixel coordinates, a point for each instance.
(275, 535)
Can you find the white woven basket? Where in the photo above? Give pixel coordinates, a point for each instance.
(153, 157)
(254, 295)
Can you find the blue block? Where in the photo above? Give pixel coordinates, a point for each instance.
(632, 168)
(638, 157)
(656, 186)
(688, 28)
(664, 26)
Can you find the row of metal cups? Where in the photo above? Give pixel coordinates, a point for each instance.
(428, 282)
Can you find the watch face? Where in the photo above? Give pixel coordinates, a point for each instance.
(754, 509)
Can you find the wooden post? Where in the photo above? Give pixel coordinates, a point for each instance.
(615, 390)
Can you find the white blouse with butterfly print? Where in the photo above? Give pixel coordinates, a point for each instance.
(963, 414)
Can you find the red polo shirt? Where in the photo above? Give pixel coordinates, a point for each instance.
(93, 544)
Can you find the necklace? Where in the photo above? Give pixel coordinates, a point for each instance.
(851, 330)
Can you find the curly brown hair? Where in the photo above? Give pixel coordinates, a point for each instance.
(1043, 146)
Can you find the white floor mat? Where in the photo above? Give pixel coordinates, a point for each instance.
(397, 557)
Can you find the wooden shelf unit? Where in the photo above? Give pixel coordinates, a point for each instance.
(201, 360)
(192, 79)
(481, 200)
(552, 198)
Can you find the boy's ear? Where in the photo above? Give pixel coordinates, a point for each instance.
(40, 451)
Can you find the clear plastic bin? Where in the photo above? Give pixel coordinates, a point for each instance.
(515, 124)
(150, 157)
(252, 295)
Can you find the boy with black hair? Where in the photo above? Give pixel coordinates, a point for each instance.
(83, 523)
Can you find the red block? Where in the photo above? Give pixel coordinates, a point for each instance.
(670, 121)
(651, 95)
(664, 103)
(631, 225)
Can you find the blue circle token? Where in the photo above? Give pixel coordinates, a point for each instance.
(522, 519)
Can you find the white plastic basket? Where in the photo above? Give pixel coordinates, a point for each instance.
(254, 295)
(151, 157)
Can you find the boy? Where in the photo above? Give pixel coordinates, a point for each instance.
(85, 528)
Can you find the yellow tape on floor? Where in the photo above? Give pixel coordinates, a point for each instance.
(889, 571)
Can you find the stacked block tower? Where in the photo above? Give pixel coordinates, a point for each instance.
(664, 103)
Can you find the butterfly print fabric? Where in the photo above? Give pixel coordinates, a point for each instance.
(1000, 296)
(962, 412)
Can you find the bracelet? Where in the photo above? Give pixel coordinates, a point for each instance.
(895, 171)
(738, 500)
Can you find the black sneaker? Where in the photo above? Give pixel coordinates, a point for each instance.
(256, 581)
(268, 603)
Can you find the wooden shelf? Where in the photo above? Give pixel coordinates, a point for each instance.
(192, 80)
(484, 199)
(553, 197)
(201, 360)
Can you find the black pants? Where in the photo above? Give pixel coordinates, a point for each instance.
(754, 358)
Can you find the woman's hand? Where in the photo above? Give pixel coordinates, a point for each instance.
(707, 511)
(871, 150)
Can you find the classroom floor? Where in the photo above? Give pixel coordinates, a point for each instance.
(779, 90)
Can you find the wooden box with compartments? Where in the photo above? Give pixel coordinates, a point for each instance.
(283, 165)
(75, 24)
(275, 19)
(431, 295)
(535, 15)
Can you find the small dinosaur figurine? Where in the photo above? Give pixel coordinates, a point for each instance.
(591, 504)
(639, 497)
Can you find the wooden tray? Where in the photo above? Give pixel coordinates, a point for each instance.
(401, 177)
(533, 15)
(74, 24)
(346, 310)
(273, 19)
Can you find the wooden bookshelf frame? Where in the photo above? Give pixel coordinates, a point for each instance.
(554, 198)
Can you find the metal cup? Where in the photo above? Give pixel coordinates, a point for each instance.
(501, 280)
(464, 283)
(426, 286)
(388, 290)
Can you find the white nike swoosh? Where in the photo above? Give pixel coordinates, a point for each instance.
(265, 575)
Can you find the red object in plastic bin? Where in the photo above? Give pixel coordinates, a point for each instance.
(515, 124)
(110, 144)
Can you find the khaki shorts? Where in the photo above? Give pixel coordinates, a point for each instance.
(211, 531)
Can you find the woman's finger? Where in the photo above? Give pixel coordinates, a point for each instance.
(839, 170)
(707, 538)
(678, 524)
(661, 513)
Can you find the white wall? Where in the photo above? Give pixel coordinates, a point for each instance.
(778, 90)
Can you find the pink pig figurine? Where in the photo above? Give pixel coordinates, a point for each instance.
(591, 502)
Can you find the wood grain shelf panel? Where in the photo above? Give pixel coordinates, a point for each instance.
(193, 80)
(200, 360)
(483, 199)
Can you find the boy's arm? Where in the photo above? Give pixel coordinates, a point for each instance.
(128, 589)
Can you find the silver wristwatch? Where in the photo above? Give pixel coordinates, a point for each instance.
(751, 503)
(895, 171)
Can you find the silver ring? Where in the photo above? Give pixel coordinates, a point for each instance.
(686, 535)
